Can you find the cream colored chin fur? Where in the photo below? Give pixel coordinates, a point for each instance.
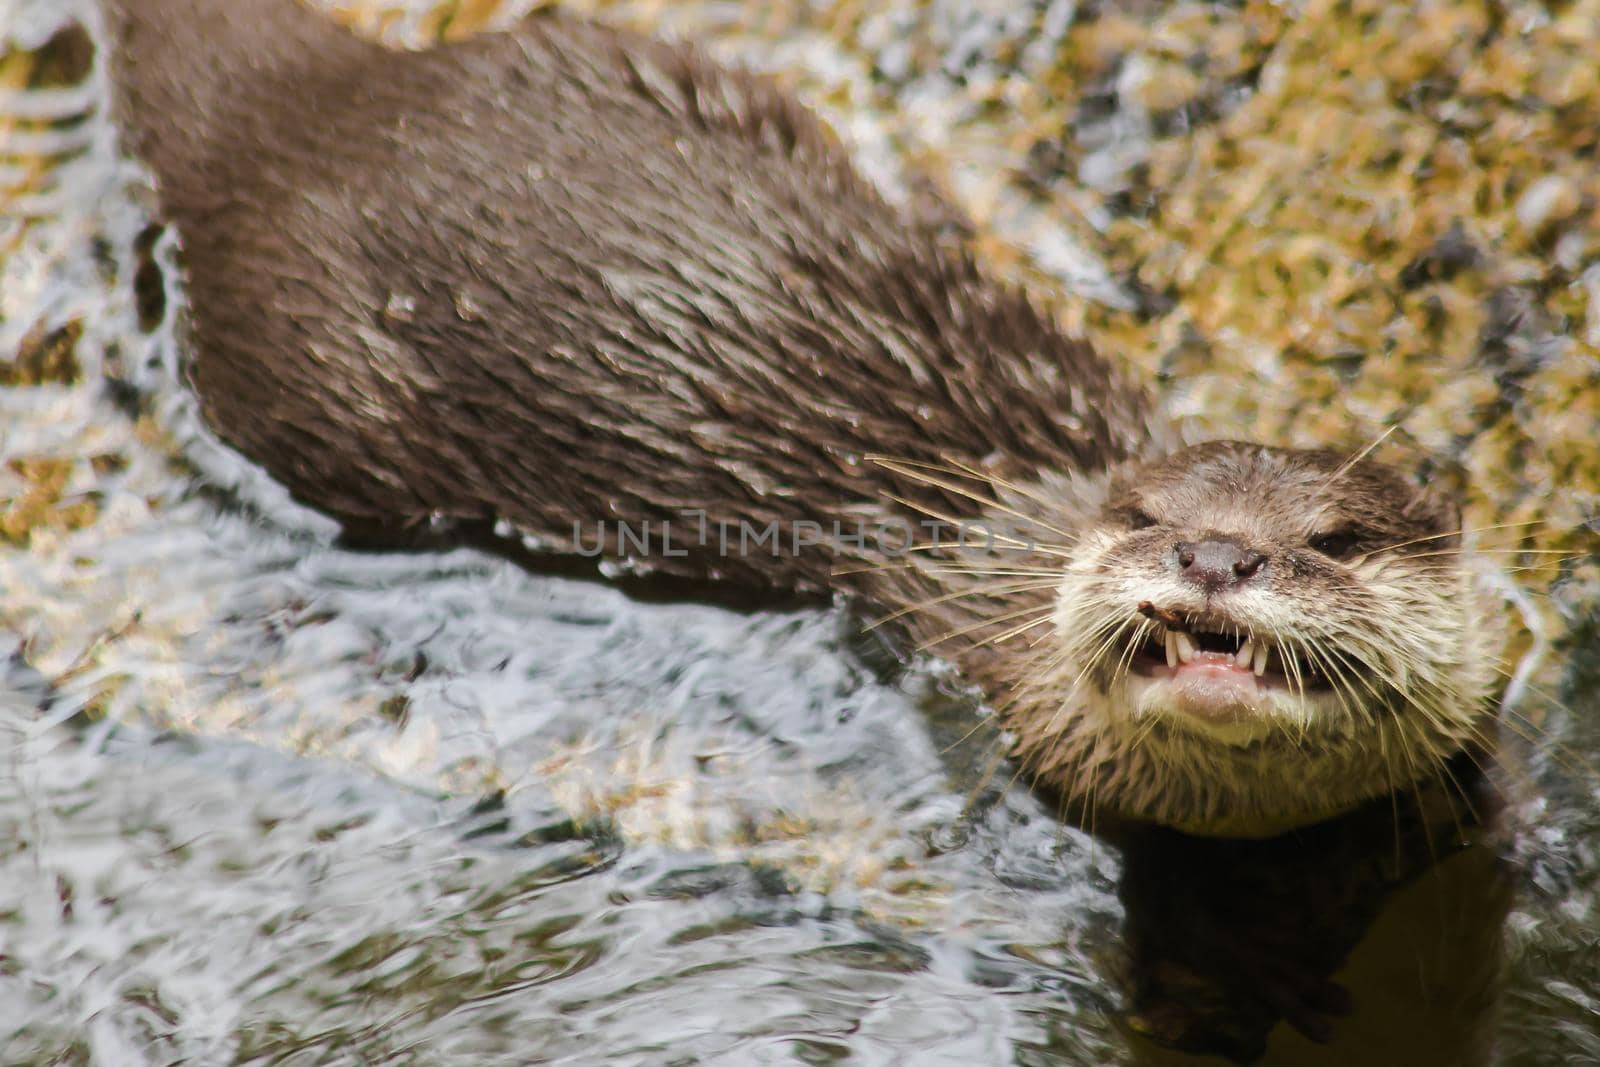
(1410, 678)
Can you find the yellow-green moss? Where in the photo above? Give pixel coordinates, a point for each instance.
(45, 356)
(43, 501)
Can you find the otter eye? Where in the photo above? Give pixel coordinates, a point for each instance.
(1139, 519)
(1336, 544)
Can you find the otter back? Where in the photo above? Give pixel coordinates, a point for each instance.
(568, 274)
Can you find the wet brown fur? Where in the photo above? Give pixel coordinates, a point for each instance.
(566, 275)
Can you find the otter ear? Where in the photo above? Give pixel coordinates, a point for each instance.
(1436, 509)
(1115, 490)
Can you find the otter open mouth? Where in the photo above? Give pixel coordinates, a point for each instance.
(1180, 644)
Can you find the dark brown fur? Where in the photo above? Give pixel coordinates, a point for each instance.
(571, 274)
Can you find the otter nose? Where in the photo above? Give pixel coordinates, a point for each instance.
(1215, 565)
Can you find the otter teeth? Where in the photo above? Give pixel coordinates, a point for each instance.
(1252, 656)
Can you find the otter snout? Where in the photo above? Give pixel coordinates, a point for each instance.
(1216, 564)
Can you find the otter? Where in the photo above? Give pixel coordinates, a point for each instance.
(597, 289)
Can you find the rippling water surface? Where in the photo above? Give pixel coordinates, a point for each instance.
(266, 800)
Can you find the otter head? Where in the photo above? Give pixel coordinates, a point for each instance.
(1249, 639)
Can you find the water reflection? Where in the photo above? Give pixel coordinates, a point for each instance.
(1375, 935)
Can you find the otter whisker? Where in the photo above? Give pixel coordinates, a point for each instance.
(1324, 660)
(1015, 631)
(955, 566)
(1414, 776)
(1052, 577)
(1131, 648)
(1534, 568)
(1144, 734)
(1394, 796)
(984, 778)
(1458, 532)
(924, 560)
(1302, 647)
(1296, 736)
(1359, 456)
(979, 567)
(1461, 791)
(1030, 492)
(971, 732)
(1107, 634)
(906, 468)
(1027, 684)
(1086, 808)
(1498, 552)
(962, 631)
(1291, 671)
(953, 521)
(1106, 638)
(1097, 658)
(993, 505)
(1430, 750)
(1396, 688)
(1449, 784)
(1533, 733)
(987, 590)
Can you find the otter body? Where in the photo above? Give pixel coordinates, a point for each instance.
(574, 279)
(566, 273)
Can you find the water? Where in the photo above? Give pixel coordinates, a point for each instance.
(268, 801)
